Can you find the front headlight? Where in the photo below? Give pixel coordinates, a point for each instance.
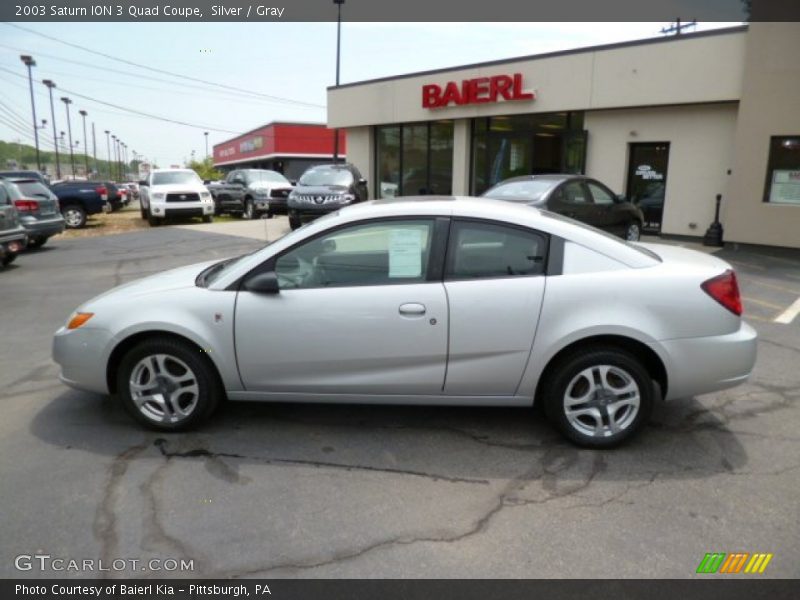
(158, 196)
(347, 198)
(205, 194)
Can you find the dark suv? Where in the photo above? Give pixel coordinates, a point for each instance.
(323, 189)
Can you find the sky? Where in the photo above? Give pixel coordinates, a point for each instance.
(294, 62)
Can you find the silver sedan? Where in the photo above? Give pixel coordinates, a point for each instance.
(437, 301)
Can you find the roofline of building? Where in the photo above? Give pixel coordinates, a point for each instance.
(272, 123)
(276, 155)
(557, 53)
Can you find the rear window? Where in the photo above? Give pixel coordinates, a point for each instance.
(605, 234)
(33, 189)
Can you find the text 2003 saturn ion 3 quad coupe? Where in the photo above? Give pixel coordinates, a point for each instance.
(426, 301)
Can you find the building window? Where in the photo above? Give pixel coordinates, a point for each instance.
(414, 159)
(783, 170)
(513, 145)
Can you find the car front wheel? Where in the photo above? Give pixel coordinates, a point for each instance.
(294, 222)
(633, 231)
(598, 397)
(248, 209)
(166, 384)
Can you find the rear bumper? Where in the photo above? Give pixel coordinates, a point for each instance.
(44, 227)
(18, 234)
(708, 364)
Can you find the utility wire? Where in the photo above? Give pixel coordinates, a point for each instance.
(130, 110)
(164, 72)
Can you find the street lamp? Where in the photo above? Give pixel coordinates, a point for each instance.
(338, 4)
(205, 133)
(67, 102)
(116, 160)
(94, 150)
(30, 63)
(50, 85)
(83, 114)
(108, 153)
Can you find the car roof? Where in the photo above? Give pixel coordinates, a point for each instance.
(555, 177)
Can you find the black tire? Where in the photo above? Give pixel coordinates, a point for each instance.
(210, 391)
(8, 258)
(152, 221)
(294, 222)
(208, 218)
(567, 373)
(37, 242)
(248, 212)
(74, 216)
(142, 211)
(633, 231)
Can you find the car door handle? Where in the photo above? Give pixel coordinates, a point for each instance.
(412, 308)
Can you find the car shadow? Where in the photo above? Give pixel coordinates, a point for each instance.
(683, 440)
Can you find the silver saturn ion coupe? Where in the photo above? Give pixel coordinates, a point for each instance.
(448, 301)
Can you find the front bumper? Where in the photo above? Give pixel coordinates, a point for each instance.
(182, 209)
(43, 227)
(708, 364)
(307, 212)
(82, 355)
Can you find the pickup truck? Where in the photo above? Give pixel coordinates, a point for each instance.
(251, 193)
(79, 199)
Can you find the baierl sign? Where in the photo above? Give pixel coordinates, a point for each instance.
(480, 90)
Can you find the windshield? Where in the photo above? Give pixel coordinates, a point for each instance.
(326, 176)
(33, 189)
(520, 191)
(266, 176)
(176, 177)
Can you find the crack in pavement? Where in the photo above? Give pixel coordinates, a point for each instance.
(161, 444)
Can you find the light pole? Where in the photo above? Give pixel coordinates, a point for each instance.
(116, 161)
(94, 149)
(50, 85)
(108, 153)
(67, 102)
(205, 133)
(338, 4)
(30, 63)
(83, 114)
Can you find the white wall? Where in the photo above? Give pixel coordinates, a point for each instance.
(701, 152)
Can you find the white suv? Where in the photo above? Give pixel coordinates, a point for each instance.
(174, 193)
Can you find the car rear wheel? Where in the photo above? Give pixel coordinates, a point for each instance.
(633, 231)
(166, 384)
(36, 242)
(208, 218)
(294, 222)
(8, 258)
(74, 216)
(598, 397)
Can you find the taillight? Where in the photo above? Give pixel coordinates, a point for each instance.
(103, 191)
(725, 290)
(26, 205)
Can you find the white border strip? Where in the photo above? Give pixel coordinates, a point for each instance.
(789, 314)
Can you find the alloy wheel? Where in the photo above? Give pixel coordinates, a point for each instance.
(633, 233)
(163, 388)
(601, 401)
(73, 217)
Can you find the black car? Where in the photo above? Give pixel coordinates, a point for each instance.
(581, 198)
(323, 189)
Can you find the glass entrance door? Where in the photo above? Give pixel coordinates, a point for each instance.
(647, 181)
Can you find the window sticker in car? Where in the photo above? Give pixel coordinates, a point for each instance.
(405, 253)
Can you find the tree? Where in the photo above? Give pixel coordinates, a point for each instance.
(205, 169)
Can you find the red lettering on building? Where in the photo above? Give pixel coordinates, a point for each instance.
(480, 90)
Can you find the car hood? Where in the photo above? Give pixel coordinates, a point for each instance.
(182, 277)
(171, 188)
(265, 185)
(321, 189)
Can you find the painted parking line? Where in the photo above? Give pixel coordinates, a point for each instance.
(789, 314)
(763, 303)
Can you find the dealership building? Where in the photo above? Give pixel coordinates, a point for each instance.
(669, 122)
(289, 148)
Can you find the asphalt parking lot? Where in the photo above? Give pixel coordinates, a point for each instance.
(279, 490)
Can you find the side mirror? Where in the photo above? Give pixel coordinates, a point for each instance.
(263, 283)
(362, 181)
(206, 181)
(621, 198)
(293, 181)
